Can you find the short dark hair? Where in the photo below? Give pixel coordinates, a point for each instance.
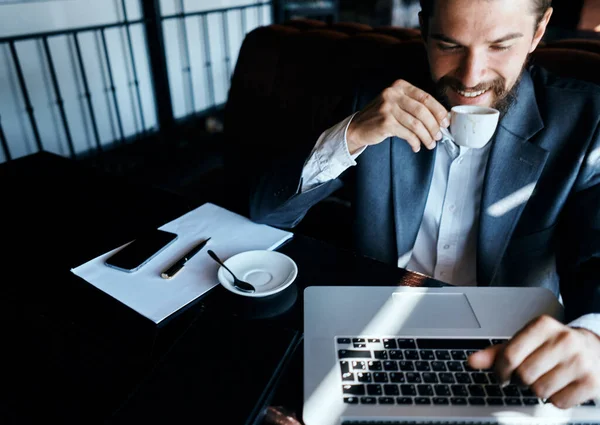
(539, 7)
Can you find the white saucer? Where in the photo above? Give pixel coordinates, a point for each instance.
(269, 272)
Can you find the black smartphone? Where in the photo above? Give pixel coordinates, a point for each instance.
(141, 250)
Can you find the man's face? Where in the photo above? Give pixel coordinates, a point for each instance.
(478, 48)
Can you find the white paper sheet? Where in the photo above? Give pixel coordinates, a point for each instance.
(157, 298)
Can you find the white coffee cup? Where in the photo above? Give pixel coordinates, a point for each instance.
(472, 126)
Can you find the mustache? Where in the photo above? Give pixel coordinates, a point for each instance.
(498, 86)
(505, 97)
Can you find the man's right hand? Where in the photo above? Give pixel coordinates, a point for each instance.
(401, 110)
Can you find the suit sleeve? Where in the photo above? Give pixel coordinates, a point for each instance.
(289, 185)
(580, 241)
(277, 196)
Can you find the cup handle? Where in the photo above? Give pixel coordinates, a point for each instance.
(446, 135)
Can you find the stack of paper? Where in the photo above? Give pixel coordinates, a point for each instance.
(157, 298)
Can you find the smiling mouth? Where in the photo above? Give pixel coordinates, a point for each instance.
(471, 94)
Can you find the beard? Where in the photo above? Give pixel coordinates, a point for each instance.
(504, 98)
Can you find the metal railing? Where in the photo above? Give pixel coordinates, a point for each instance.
(89, 114)
(73, 36)
(203, 17)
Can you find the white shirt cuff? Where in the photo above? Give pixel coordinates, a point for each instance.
(591, 322)
(330, 157)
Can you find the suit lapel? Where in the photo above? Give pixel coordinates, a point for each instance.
(411, 179)
(513, 169)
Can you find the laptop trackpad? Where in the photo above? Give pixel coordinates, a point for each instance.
(440, 310)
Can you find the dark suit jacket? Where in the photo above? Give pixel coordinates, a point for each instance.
(540, 211)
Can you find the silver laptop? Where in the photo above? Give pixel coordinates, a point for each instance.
(395, 355)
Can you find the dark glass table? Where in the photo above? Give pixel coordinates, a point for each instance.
(80, 356)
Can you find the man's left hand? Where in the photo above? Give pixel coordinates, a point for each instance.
(559, 363)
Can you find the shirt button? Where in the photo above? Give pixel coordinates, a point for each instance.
(446, 246)
(452, 208)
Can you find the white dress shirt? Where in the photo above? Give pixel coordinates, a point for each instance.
(450, 221)
(446, 244)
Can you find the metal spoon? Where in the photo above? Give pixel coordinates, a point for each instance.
(239, 284)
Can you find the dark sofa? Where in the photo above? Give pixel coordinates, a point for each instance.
(293, 81)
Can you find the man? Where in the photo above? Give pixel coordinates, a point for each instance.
(523, 210)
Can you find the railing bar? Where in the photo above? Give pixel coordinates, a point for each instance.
(208, 64)
(4, 143)
(112, 85)
(87, 93)
(134, 68)
(28, 106)
(243, 19)
(106, 95)
(186, 52)
(130, 79)
(75, 32)
(68, 31)
(259, 15)
(226, 48)
(58, 96)
(207, 12)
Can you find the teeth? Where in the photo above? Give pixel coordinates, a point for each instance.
(471, 94)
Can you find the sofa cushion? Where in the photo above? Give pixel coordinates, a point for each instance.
(293, 81)
(569, 62)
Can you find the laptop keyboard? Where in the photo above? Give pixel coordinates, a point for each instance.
(422, 371)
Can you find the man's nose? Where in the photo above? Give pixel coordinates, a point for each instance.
(473, 68)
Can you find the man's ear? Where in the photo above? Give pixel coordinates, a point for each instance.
(541, 29)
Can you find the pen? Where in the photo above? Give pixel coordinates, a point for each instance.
(179, 264)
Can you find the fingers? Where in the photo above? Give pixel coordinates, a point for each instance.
(427, 124)
(552, 382)
(562, 369)
(418, 112)
(415, 126)
(411, 138)
(558, 363)
(541, 362)
(523, 344)
(435, 108)
(576, 393)
(485, 359)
